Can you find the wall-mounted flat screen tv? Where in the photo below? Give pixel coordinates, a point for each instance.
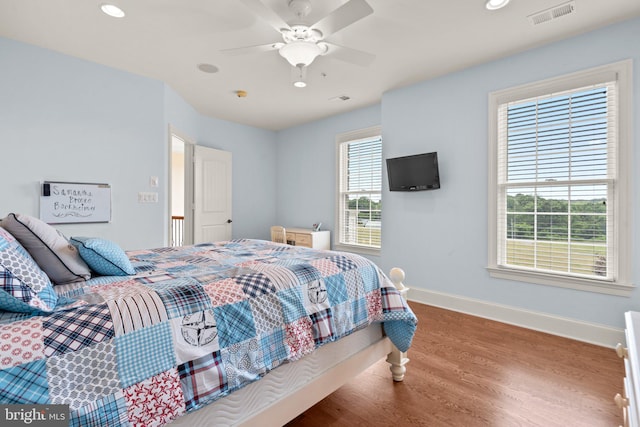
(414, 173)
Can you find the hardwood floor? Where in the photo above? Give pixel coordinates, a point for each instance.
(469, 371)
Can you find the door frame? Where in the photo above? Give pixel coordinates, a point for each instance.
(189, 144)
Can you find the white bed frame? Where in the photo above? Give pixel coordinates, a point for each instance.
(292, 388)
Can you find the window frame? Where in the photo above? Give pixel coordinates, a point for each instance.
(622, 195)
(346, 137)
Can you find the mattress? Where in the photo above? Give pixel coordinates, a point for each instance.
(292, 388)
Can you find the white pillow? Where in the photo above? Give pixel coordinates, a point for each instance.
(58, 258)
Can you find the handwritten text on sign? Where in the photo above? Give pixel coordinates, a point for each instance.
(64, 202)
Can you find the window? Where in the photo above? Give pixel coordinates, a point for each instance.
(359, 205)
(558, 181)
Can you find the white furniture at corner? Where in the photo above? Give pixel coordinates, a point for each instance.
(628, 401)
(309, 238)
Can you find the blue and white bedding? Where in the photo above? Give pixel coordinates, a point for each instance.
(192, 325)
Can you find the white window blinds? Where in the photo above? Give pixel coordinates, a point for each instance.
(360, 188)
(556, 180)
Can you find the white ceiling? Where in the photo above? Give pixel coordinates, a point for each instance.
(413, 40)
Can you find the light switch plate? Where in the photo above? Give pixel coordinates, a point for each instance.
(153, 181)
(147, 197)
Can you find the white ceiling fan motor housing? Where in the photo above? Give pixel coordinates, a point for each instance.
(300, 8)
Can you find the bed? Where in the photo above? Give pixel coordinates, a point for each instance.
(224, 333)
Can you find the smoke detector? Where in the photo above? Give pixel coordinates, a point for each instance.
(340, 98)
(552, 13)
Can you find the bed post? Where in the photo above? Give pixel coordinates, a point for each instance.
(397, 358)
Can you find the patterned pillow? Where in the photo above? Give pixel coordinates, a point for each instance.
(103, 256)
(24, 287)
(50, 249)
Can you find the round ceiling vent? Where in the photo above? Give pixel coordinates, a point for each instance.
(207, 68)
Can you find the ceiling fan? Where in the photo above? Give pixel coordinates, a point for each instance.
(302, 42)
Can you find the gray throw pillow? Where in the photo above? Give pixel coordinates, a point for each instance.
(58, 258)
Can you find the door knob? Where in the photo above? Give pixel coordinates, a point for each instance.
(229, 221)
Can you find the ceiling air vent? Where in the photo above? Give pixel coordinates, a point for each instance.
(553, 13)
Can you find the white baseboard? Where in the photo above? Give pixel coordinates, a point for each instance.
(592, 333)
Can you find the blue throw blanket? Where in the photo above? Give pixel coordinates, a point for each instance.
(194, 324)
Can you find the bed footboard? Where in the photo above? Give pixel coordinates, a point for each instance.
(398, 359)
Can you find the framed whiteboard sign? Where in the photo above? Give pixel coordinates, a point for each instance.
(73, 202)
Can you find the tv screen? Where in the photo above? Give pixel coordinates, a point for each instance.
(414, 173)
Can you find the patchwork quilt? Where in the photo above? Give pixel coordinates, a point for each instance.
(194, 324)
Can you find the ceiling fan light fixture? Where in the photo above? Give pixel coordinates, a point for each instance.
(496, 4)
(112, 10)
(299, 76)
(300, 52)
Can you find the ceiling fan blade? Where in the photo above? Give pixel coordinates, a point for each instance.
(252, 49)
(266, 14)
(354, 56)
(345, 15)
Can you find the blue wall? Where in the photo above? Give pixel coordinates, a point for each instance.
(62, 118)
(440, 237)
(253, 164)
(307, 168)
(66, 119)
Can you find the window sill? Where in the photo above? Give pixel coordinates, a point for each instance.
(582, 284)
(357, 249)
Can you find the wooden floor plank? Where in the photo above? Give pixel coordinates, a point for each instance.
(469, 371)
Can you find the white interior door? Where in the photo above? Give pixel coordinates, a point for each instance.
(211, 195)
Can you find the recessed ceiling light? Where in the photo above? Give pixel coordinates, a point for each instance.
(207, 68)
(496, 4)
(112, 10)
